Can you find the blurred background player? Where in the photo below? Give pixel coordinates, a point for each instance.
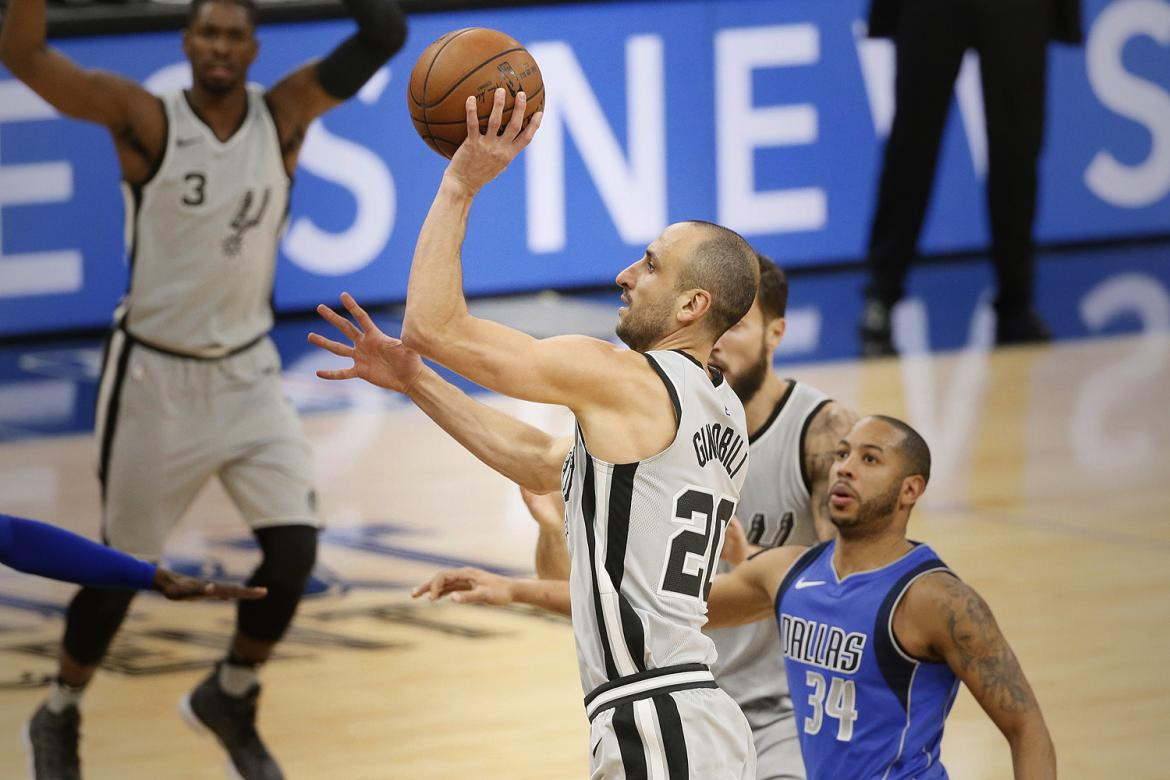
(794, 430)
(930, 37)
(45, 550)
(190, 384)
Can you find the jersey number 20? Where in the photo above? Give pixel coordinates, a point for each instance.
(690, 563)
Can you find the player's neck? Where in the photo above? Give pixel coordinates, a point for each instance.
(223, 113)
(761, 405)
(866, 553)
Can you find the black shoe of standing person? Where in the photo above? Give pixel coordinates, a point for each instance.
(232, 721)
(1023, 327)
(876, 331)
(51, 741)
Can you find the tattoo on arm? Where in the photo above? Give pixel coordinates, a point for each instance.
(981, 650)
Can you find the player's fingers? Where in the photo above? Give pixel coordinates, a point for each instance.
(339, 322)
(217, 590)
(497, 115)
(336, 347)
(358, 313)
(529, 131)
(516, 123)
(472, 117)
(336, 373)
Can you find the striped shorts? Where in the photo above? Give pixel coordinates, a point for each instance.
(656, 726)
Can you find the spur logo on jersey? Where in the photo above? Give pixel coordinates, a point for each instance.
(244, 221)
(820, 644)
(715, 441)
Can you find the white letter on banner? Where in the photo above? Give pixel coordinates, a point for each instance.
(1131, 186)
(740, 129)
(357, 169)
(34, 273)
(634, 189)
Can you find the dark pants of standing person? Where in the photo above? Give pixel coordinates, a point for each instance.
(931, 37)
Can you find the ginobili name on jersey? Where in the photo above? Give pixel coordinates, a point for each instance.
(716, 442)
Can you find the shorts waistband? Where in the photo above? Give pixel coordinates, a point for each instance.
(645, 685)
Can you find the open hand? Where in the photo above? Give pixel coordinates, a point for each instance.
(377, 358)
(468, 586)
(484, 156)
(179, 587)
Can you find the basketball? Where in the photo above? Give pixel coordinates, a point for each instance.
(472, 61)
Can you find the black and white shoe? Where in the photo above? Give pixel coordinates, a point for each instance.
(232, 721)
(51, 743)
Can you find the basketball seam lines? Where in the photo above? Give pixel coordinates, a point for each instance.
(464, 121)
(462, 78)
(427, 78)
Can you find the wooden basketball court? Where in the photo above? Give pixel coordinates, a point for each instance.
(1049, 496)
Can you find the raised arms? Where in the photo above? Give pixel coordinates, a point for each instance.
(134, 117)
(319, 85)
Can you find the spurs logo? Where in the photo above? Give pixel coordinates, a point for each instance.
(244, 221)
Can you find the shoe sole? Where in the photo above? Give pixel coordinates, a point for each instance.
(192, 720)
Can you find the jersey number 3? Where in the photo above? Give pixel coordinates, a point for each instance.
(690, 563)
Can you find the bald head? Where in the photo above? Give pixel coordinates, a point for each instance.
(725, 265)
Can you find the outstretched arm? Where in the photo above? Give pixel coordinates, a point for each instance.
(947, 618)
(320, 85)
(526, 455)
(476, 586)
(747, 593)
(567, 370)
(45, 550)
(552, 553)
(134, 117)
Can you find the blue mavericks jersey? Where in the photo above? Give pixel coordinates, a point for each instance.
(866, 709)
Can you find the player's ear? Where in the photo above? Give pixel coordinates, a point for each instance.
(695, 303)
(774, 333)
(913, 487)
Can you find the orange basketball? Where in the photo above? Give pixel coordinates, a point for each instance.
(472, 61)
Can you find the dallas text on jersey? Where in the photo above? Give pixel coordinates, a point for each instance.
(820, 644)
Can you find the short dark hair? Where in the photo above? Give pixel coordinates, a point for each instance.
(249, 7)
(913, 447)
(773, 288)
(725, 265)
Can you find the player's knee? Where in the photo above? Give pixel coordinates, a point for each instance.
(289, 554)
(94, 616)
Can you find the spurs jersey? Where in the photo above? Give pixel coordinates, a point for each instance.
(202, 234)
(645, 536)
(774, 509)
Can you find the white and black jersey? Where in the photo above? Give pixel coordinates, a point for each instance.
(775, 509)
(203, 232)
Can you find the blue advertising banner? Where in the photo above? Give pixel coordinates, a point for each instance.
(766, 116)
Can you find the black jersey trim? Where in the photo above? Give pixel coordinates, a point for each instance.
(714, 374)
(279, 148)
(804, 475)
(203, 120)
(589, 516)
(806, 559)
(670, 388)
(775, 415)
(891, 656)
(649, 674)
(674, 740)
(157, 163)
(187, 355)
(621, 496)
(629, 743)
(111, 415)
